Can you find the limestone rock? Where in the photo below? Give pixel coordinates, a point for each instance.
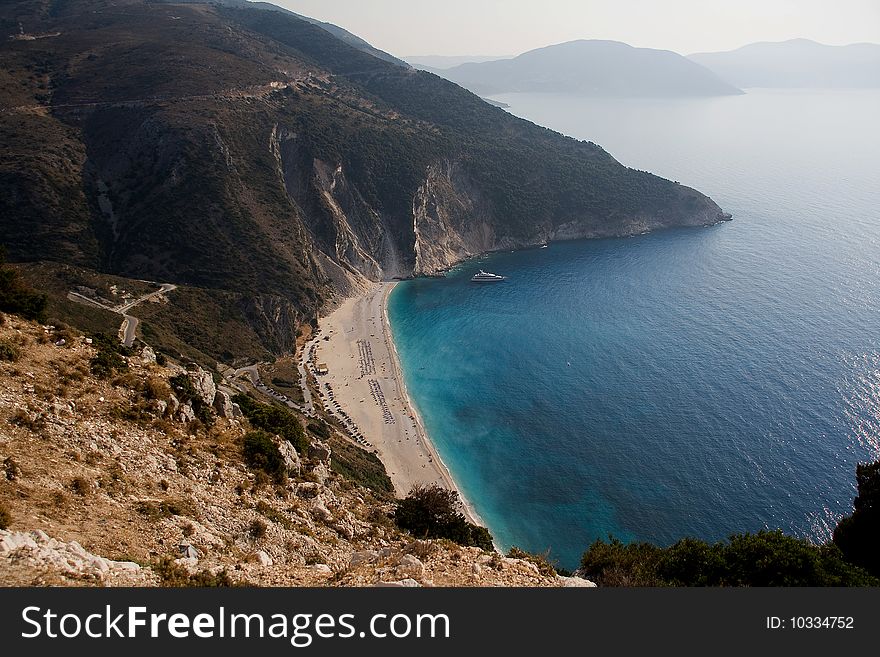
(263, 559)
(203, 382)
(321, 512)
(223, 404)
(291, 459)
(187, 551)
(575, 582)
(404, 583)
(148, 356)
(38, 550)
(408, 565)
(321, 472)
(319, 452)
(308, 490)
(186, 413)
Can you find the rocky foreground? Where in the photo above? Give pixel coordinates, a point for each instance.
(116, 482)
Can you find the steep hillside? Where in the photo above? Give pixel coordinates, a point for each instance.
(259, 159)
(592, 67)
(111, 479)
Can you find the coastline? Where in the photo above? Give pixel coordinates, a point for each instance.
(366, 380)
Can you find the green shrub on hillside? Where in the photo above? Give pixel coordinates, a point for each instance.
(433, 512)
(17, 297)
(768, 558)
(174, 575)
(110, 358)
(858, 535)
(360, 466)
(9, 351)
(274, 419)
(261, 454)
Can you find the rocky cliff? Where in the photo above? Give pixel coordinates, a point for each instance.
(257, 158)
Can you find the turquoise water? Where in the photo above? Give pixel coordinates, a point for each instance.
(693, 382)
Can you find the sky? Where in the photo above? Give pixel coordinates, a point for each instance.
(509, 27)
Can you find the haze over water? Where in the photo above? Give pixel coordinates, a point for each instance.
(693, 382)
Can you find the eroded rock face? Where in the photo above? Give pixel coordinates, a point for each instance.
(291, 458)
(451, 220)
(319, 452)
(223, 405)
(204, 384)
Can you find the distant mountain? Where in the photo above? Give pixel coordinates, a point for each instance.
(442, 62)
(602, 68)
(796, 63)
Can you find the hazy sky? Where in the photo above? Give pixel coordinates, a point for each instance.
(502, 27)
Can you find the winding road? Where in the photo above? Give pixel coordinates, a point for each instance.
(128, 329)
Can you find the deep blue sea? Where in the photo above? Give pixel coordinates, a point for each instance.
(692, 382)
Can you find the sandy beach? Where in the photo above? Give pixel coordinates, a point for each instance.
(365, 380)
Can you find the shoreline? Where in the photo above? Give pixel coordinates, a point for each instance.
(365, 382)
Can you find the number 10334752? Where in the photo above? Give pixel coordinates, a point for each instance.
(810, 623)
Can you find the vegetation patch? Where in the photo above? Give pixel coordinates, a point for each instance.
(273, 514)
(110, 358)
(433, 512)
(275, 420)
(320, 429)
(173, 575)
(9, 351)
(768, 558)
(158, 510)
(360, 466)
(81, 486)
(858, 535)
(263, 455)
(540, 560)
(17, 297)
(258, 529)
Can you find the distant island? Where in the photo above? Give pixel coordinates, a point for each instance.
(796, 63)
(593, 67)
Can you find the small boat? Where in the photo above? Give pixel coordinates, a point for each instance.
(487, 277)
(544, 245)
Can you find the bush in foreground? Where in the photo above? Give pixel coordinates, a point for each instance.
(768, 558)
(858, 535)
(9, 351)
(261, 454)
(110, 356)
(433, 512)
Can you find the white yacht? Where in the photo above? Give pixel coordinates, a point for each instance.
(485, 277)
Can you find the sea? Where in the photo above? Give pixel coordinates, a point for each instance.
(691, 382)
